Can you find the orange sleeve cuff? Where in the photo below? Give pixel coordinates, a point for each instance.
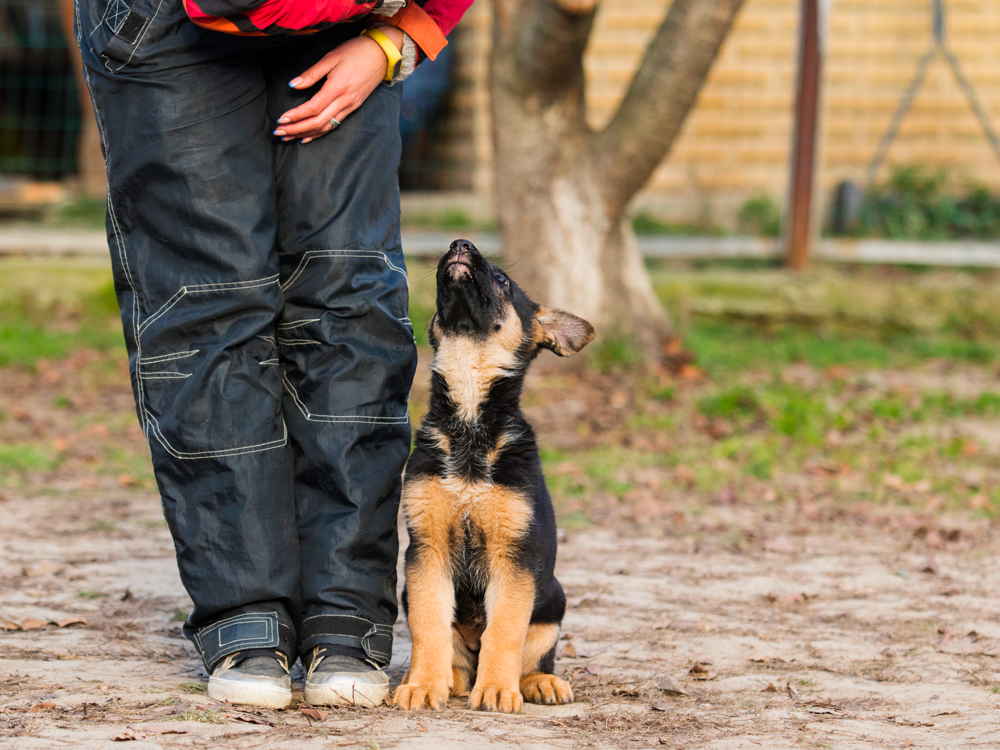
(422, 29)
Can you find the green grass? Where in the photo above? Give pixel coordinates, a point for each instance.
(725, 348)
(92, 594)
(204, 716)
(26, 457)
(646, 224)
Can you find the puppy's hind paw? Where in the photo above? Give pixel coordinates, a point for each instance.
(494, 698)
(411, 697)
(545, 688)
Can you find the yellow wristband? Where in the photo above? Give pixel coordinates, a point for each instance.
(391, 53)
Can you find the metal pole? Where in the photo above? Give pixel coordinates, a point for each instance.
(806, 125)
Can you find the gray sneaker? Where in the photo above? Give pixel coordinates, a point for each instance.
(344, 681)
(252, 678)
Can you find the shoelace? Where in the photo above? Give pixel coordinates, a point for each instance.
(234, 659)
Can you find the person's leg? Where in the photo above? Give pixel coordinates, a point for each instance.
(191, 227)
(348, 356)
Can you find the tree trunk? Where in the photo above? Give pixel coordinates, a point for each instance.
(565, 244)
(561, 189)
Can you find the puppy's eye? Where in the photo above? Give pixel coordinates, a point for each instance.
(502, 280)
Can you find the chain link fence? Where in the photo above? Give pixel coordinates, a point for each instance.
(39, 97)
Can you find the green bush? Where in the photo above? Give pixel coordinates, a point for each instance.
(917, 204)
(760, 216)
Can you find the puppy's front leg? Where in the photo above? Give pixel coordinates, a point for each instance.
(510, 596)
(431, 610)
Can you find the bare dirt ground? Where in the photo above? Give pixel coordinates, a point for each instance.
(746, 617)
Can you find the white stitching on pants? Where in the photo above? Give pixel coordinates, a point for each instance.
(242, 450)
(310, 254)
(168, 357)
(118, 16)
(118, 239)
(138, 42)
(199, 288)
(164, 375)
(356, 419)
(296, 324)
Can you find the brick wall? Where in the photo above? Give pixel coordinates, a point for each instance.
(736, 141)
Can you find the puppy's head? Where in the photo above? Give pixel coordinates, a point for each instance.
(480, 303)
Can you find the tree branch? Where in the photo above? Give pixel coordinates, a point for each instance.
(550, 40)
(662, 93)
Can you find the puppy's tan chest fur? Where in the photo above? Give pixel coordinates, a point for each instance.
(437, 509)
(470, 366)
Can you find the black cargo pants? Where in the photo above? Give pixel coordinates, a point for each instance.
(264, 302)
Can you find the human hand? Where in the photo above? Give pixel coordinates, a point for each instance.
(352, 72)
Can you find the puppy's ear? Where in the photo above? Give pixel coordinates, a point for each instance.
(562, 332)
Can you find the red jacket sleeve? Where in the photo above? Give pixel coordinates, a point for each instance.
(447, 13)
(427, 25)
(256, 18)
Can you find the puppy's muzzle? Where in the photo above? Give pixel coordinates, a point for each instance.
(460, 258)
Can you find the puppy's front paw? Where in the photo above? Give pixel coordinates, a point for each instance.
(545, 688)
(414, 697)
(495, 698)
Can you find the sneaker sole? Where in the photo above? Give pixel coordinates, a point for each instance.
(346, 695)
(248, 695)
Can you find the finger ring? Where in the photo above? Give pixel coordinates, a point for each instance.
(334, 123)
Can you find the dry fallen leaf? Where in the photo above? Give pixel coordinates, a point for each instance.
(670, 686)
(661, 706)
(787, 600)
(700, 670)
(48, 705)
(770, 688)
(569, 650)
(792, 692)
(315, 713)
(928, 566)
(126, 736)
(32, 623)
(827, 711)
(126, 480)
(780, 544)
(684, 475)
(950, 644)
(9, 625)
(576, 601)
(690, 372)
(250, 719)
(71, 621)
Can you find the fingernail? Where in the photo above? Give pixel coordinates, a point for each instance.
(284, 120)
(279, 131)
(305, 141)
(295, 82)
(288, 138)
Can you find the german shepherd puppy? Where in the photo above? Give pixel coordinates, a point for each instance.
(483, 605)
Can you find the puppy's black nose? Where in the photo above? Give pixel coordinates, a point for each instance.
(462, 250)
